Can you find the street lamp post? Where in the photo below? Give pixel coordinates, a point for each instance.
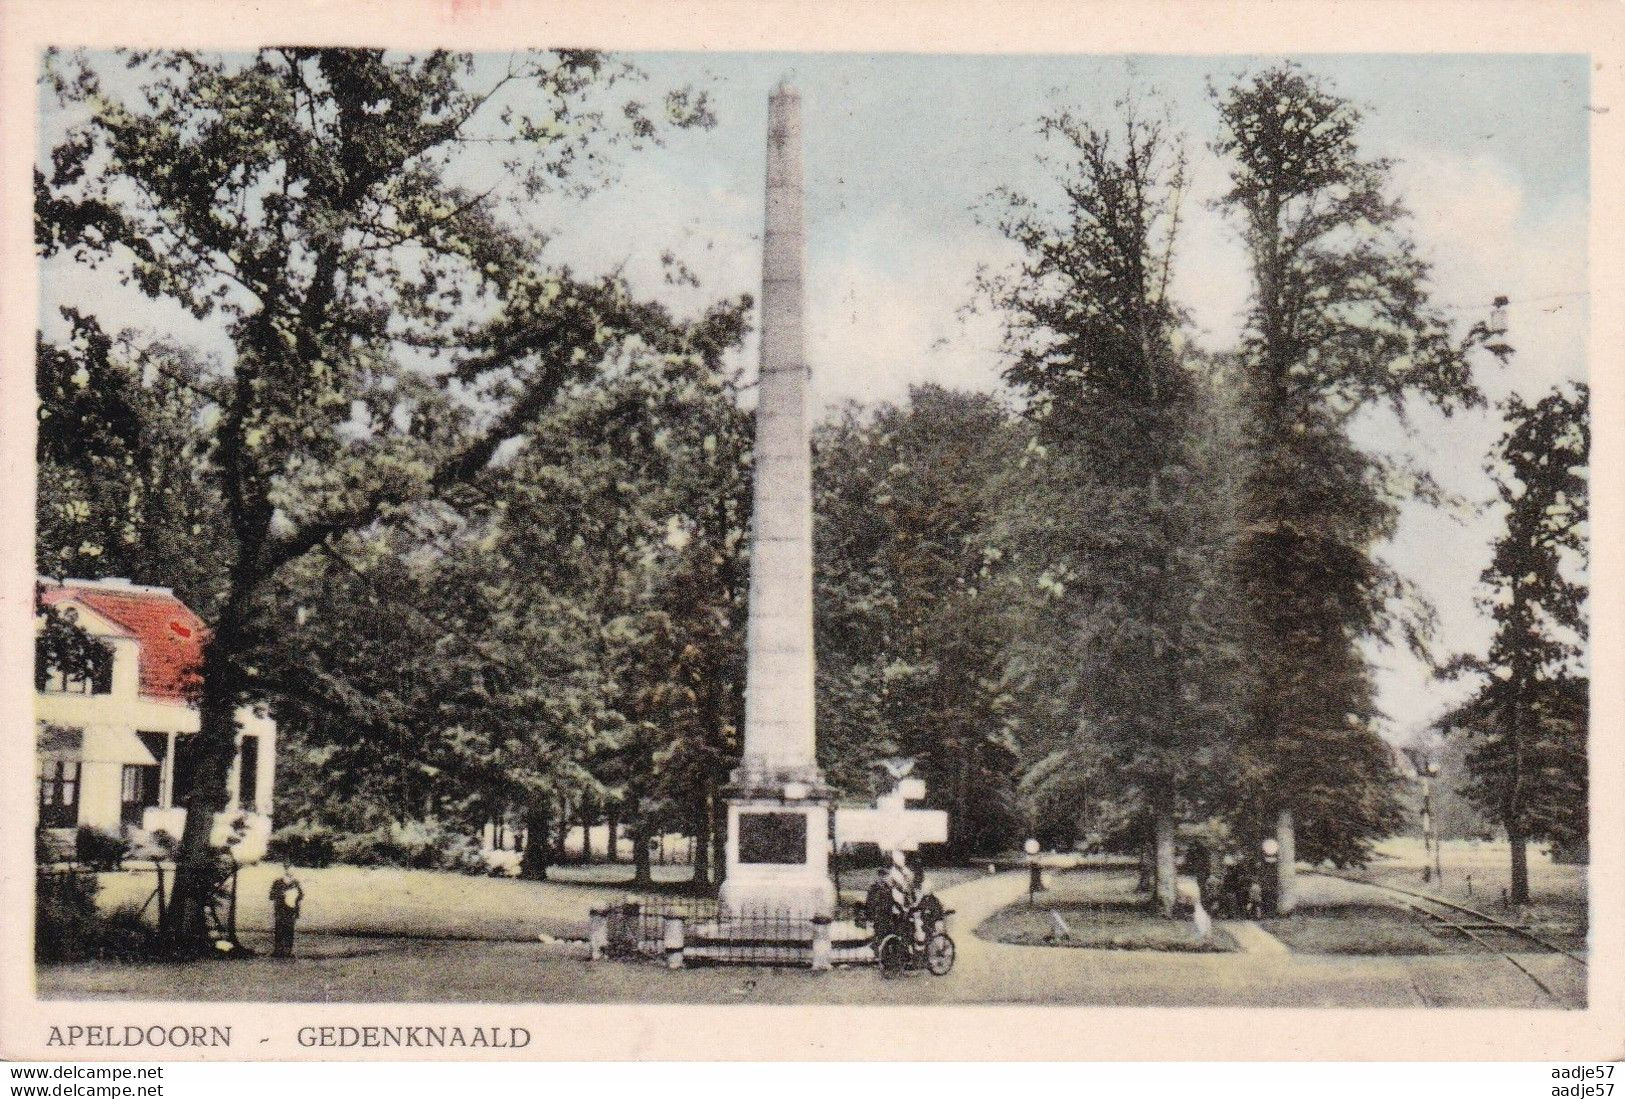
(1035, 884)
(1431, 820)
(1427, 822)
(1271, 848)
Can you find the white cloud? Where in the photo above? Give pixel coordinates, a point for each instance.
(1473, 223)
(881, 319)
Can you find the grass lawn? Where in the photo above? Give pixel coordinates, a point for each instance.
(1475, 873)
(1339, 918)
(1101, 927)
(1101, 910)
(370, 901)
(1362, 929)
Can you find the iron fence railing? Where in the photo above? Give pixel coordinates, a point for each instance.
(700, 931)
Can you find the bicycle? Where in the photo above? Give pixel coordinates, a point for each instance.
(927, 944)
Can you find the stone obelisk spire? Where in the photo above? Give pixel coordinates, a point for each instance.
(779, 739)
(778, 806)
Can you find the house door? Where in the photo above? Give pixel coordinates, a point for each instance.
(59, 794)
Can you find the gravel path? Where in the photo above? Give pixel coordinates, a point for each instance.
(336, 969)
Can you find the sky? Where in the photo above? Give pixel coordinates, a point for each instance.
(1491, 156)
(902, 151)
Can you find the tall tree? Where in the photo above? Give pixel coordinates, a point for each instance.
(1339, 320)
(1530, 717)
(1133, 553)
(389, 328)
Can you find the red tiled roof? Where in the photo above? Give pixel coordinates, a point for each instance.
(171, 636)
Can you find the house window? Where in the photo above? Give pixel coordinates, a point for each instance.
(59, 794)
(97, 680)
(139, 792)
(158, 745)
(248, 774)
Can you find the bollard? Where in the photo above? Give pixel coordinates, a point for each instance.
(597, 933)
(822, 948)
(673, 942)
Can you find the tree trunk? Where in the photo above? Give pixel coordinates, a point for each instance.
(533, 863)
(1167, 883)
(185, 929)
(702, 842)
(962, 841)
(586, 830)
(1286, 870)
(641, 872)
(563, 831)
(1520, 867)
(719, 841)
(612, 825)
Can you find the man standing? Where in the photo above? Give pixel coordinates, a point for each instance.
(286, 896)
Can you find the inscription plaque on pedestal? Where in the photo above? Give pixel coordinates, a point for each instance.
(774, 838)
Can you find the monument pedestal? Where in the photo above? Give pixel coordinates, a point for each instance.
(778, 851)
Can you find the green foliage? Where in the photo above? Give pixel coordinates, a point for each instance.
(413, 845)
(1341, 315)
(583, 617)
(62, 646)
(65, 916)
(68, 926)
(303, 844)
(1530, 715)
(1339, 320)
(125, 484)
(912, 627)
(1123, 539)
(475, 527)
(100, 849)
(391, 323)
(662, 457)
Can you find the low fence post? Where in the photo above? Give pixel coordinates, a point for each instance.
(821, 945)
(673, 941)
(626, 928)
(597, 933)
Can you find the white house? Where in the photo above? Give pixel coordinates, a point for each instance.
(115, 751)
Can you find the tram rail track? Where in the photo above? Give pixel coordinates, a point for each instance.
(1448, 914)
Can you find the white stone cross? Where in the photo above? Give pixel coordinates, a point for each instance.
(891, 825)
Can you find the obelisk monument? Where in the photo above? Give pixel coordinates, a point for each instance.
(778, 808)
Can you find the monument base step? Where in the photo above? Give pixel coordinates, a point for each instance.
(841, 932)
(799, 957)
